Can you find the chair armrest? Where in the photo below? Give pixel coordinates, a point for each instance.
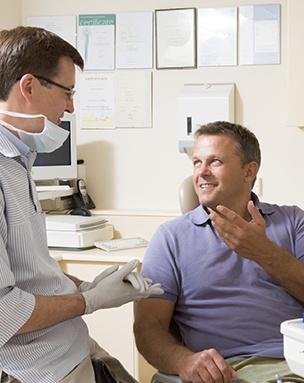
(159, 377)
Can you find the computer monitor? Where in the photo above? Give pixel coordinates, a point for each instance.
(62, 163)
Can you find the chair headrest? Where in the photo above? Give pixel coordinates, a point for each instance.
(188, 199)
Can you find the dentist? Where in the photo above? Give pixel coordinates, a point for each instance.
(43, 338)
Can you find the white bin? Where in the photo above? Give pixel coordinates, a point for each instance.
(293, 336)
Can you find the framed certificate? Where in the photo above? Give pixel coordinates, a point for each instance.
(175, 31)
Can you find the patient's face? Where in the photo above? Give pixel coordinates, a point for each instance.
(218, 175)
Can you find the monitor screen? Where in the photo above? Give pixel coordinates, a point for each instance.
(62, 163)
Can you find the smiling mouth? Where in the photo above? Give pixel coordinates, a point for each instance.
(206, 186)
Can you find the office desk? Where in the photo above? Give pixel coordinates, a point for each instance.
(111, 328)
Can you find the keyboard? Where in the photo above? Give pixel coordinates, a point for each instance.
(51, 188)
(121, 243)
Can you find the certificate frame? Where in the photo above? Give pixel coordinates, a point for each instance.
(176, 38)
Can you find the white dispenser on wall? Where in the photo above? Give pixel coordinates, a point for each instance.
(199, 104)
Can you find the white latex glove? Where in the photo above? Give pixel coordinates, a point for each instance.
(85, 286)
(138, 282)
(113, 291)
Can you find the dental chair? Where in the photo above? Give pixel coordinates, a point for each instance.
(188, 200)
(102, 374)
(159, 377)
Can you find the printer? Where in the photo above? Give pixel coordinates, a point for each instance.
(293, 338)
(70, 232)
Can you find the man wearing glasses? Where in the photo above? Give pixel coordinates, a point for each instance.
(43, 338)
(70, 91)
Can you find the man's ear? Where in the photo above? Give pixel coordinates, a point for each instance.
(251, 171)
(26, 85)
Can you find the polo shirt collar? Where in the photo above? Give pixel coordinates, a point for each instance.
(201, 217)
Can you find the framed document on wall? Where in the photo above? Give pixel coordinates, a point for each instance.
(175, 31)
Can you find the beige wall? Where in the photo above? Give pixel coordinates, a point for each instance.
(142, 168)
(10, 14)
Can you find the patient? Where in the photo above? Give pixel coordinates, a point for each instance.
(232, 270)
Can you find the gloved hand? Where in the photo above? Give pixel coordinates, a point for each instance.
(85, 286)
(138, 282)
(119, 287)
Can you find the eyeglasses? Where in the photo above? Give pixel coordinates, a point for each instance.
(70, 91)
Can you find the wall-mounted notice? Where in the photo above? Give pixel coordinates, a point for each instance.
(134, 40)
(96, 100)
(96, 34)
(63, 26)
(134, 99)
(259, 34)
(217, 36)
(175, 31)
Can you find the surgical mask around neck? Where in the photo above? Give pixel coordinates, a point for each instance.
(48, 140)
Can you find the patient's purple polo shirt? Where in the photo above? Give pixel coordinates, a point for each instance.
(224, 301)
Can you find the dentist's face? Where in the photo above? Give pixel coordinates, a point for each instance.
(51, 100)
(218, 175)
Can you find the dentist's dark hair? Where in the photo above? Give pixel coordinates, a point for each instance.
(32, 50)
